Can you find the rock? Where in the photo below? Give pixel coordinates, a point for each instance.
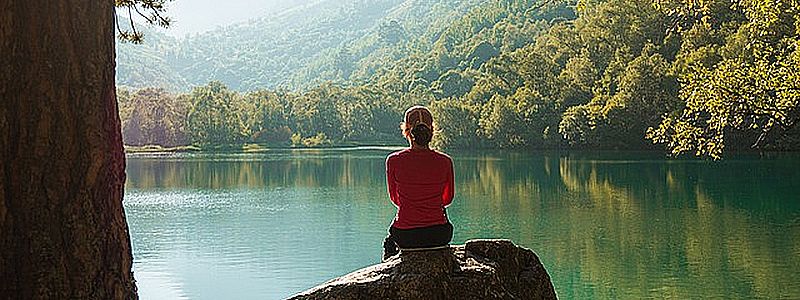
(479, 269)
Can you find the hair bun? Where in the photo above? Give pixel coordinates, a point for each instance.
(421, 134)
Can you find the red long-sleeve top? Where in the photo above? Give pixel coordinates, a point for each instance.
(420, 183)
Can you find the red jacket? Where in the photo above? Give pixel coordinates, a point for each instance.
(420, 183)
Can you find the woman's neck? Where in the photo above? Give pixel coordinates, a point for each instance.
(418, 147)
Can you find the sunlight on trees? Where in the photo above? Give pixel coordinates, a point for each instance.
(693, 77)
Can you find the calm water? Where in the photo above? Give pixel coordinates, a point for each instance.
(265, 226)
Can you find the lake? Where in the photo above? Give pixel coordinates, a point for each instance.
(605, 225)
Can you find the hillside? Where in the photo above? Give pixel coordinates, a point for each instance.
(616, 74)
(148, 64)
(324, 40)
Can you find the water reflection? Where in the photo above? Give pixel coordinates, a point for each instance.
(305, 168)
(605, 225)
(613, 228)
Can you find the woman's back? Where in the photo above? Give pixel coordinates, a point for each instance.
(421, 184)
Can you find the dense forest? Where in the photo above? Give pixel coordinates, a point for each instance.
(682, 76)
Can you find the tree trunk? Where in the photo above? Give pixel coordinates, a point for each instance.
(63, 233)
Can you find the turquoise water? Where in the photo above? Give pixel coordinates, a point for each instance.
(607, 225)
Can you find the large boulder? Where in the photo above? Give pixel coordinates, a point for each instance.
(479, 269)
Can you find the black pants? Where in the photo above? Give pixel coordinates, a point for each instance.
(422, 237)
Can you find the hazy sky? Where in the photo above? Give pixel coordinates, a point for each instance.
(193, 16)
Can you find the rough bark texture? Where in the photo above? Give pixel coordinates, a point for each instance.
(63, 233)
(480, 269)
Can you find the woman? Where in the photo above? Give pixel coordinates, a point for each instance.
(420, 182)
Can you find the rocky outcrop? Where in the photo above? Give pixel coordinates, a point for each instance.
(479, 269)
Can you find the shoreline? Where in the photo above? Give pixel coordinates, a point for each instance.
(647, 154)
(251, 148)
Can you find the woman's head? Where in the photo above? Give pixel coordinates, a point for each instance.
(417, 125)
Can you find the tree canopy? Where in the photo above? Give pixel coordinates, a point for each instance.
(682, 76)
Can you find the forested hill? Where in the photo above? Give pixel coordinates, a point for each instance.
(680, 76)
(323, 40)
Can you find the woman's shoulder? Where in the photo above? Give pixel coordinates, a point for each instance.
(408, 153)
(397, 154)
(442, 155)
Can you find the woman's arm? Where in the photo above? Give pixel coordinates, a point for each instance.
(390, 182)
(449, 186)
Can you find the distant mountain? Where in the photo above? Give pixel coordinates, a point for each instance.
(411, 26)
(149, 64)
(418, 47)
(198, 16)
(345, 42)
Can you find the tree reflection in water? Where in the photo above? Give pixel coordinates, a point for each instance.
(606, 225)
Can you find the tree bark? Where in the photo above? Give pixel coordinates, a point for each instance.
(63, 233)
